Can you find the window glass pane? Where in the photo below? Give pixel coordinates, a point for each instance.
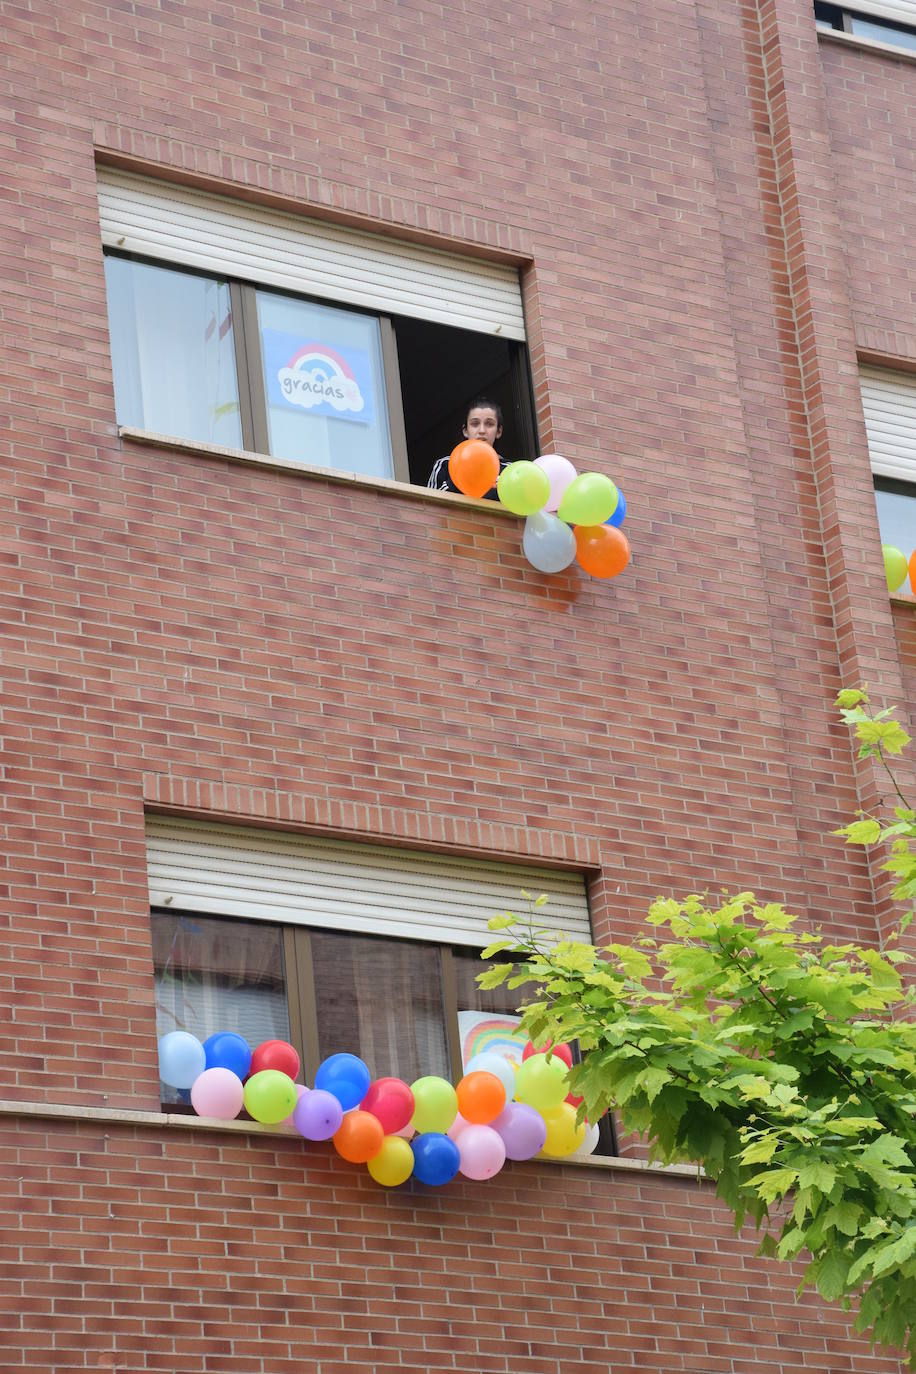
(487, 1020)
(897, 521)
(213, 975)
(172, 352)
(883, 33)
(381, 999)
(324, 385)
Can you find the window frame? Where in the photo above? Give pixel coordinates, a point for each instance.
(253, 418)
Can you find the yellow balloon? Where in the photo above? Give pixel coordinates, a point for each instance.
(394, 1162)
(563, 1135)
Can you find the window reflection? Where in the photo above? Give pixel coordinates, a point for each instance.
(172, 352)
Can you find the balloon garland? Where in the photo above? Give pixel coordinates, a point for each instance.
(428, 1130)
(569, 517)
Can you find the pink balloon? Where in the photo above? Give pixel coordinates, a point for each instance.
(218, 1093)
(560, 473)
(391, 1102)
(457, 1126)
(406, 1132)
(481, 1151)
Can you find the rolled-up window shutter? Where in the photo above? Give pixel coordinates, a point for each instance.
(894, 11)
(889, 403)
(305, 880)
(272, 248)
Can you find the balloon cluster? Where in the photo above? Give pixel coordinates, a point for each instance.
(569, 516)
(428, 1130)
(896, 567)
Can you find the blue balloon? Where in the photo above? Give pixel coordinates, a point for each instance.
(226, 1050)
(345, 1077)
(436, 1158)
(620, 511)
(181, 1059)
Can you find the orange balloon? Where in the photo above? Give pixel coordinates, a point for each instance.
(911, 568)
(481, 1097)
(601, 550)
(474, 467)
(360, 1137)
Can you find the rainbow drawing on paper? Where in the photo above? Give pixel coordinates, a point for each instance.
(490, 1032)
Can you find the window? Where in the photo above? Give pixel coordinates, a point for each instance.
(253, 329)
(889, 406)
(881, 28)
(336, 946)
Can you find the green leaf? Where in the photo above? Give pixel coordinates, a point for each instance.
(832, 1274)
(501, 922)
(849, 697)
(861, 832)
(494, 976)
(817, 1175)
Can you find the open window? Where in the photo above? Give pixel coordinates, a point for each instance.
(329, 347)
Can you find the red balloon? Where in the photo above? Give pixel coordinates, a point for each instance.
(391, 1102)
(601, 550)
(473, 466)
(560, 1051)
(275, 1054)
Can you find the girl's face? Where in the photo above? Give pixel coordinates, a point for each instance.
(482, 424)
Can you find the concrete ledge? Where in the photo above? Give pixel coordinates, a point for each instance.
(854, 40)
(383, 485)
(117, 1116)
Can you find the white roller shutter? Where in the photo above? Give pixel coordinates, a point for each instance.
(889, 403)
(895, 11)
(272, 248)
(305, 880)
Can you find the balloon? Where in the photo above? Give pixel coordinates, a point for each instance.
(391, 1101)
(491, 1062)
(541, 1082)
(226, 1050)
(601, 550)
(911, 566)
(481, 1097)
(481, 1152)
(275, 1054)
(218, 1093)
(435, 1104)
(474, 467)
(406, 1132)
(359, 1137)
(522, 1130)
(317, 1115)
(588, 500)
(523, 488)
(270, 1096)
(301, 1090)
(393, 1164)
(564, 1136)
(182, 1059)
(895, 566)
(619, 513)
(548, 543)
(346, 1077)
(436, 1158)
(560, 1051)
(457, 1126)
(560, 472)
(589, 1144)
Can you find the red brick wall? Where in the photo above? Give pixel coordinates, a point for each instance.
(261, 644)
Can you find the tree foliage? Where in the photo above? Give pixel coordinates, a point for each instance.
(783, 1063)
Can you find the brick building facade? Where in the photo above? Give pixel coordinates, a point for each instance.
(709, 207)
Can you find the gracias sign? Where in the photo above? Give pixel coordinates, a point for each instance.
(317, 378)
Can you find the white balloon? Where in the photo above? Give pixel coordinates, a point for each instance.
(548, 542)
(491, 1062)
(589, 1144)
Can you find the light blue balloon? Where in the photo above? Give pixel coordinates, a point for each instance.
(496, 1064)
(620, 511)
(182, 1059)
(548, 542)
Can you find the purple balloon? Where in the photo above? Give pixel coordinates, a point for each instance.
(521, 1129)
(317, 1115)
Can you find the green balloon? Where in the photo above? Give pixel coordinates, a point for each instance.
(523, 488)
(541, 1082)
(588, 500)
(894, 566)
(435, 1104)
(270, 1096)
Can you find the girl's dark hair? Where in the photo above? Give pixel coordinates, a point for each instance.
(482, 403)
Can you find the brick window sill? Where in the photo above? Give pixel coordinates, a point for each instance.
(383, 485)
(116, 1116)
